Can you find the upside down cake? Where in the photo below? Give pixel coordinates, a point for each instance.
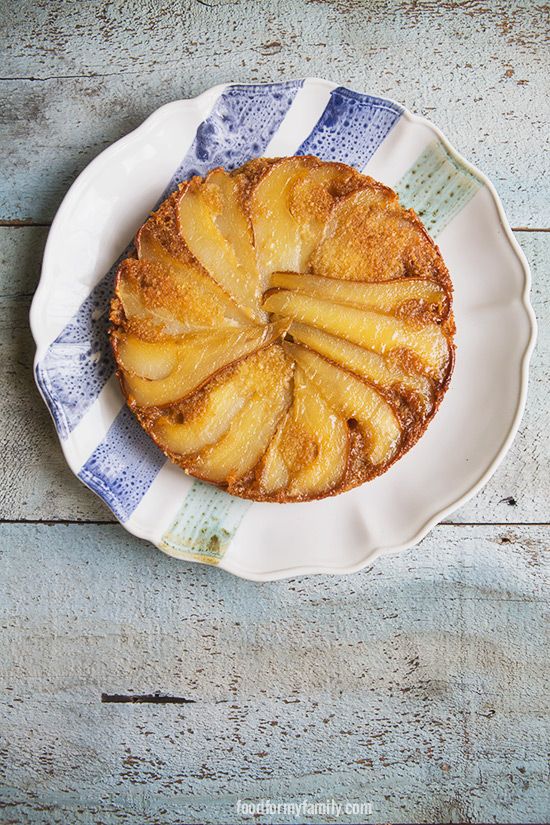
(284, 331)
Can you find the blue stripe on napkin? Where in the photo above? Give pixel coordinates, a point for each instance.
(351, 128)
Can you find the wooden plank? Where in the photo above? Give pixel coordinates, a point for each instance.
(418, 685)
(76, 77)
(35, 480)
(46, 489)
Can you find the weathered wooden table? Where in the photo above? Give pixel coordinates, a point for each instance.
(418, 685)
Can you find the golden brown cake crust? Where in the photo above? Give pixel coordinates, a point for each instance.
(284, 331)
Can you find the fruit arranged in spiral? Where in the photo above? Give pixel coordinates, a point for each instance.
(285, 330)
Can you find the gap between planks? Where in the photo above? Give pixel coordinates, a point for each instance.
(96, 522)
(15, 222)
(145, 699)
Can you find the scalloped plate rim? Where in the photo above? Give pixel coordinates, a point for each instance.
(428, 524)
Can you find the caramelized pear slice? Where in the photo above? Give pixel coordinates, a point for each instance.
(276, 230)
(369, 238)
(373, 330)
(248, 437)
(384, 296)
(209, 417)
(232, 220)
(289, 208)
(309, 455)
(193, 296)
(274, 472)
(218, 233)
(353, 399)
(366, 364)
(153, 360)
(312, 198)
(154, 318)
(196, 357)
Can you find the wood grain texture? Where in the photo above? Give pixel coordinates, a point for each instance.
(35, 482)
(418, 684)
(76, 77)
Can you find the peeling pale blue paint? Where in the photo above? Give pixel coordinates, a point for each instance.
(419, 684)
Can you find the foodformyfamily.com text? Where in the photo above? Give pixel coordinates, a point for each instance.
(304, 808)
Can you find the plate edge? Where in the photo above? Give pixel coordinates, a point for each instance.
(422, 531)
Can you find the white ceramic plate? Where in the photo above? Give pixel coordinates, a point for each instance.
(227, 125)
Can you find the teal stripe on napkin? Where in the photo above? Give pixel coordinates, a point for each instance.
(205, 525)
(437, 187)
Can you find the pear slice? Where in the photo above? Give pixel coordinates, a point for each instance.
(276, 230)
(187, 288)
(312, 198)
(366, 364)
(195, 357)
(289, 208)
(209, 419)
(274, 472)
(232, 220)
(368, 237)
(218, 233)
(152, 319)
(248, 437)
(353, 399)
(373, 330)
(384, 296)
(153, 360)
(309, 455)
